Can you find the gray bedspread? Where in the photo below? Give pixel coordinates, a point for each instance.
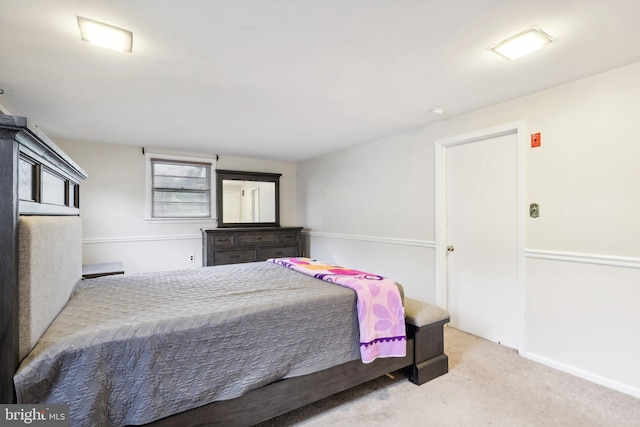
(131, 349)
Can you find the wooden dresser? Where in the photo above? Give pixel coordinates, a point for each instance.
(237, 245)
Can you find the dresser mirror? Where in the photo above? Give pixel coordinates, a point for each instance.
(247, 199)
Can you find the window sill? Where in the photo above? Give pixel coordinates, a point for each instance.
(180, 220)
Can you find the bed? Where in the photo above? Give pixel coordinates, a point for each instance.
(41, 228)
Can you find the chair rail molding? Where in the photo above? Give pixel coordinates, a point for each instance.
(101, 240)
(584, 258)
(376, 239)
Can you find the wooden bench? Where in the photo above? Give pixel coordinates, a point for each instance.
(425, 324)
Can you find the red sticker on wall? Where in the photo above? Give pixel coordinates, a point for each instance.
(535, 140)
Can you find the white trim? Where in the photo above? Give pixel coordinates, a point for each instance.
(522, 235)
(387, 240)
(440, 167)
(584, 258)
(440, 256)
(204, 220)
(581, 373)
(101, 240)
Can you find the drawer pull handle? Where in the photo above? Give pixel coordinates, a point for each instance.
(223, 240)
(278, 253)
(234, 256)
(257, 238)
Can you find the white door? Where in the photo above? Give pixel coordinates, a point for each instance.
(482, 236)
(255, 201)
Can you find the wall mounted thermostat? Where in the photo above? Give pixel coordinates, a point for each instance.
(534, 210)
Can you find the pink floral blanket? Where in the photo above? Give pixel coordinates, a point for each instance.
(379, 305)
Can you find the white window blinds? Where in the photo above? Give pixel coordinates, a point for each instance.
(180, 189)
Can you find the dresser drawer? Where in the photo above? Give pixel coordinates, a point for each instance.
(278, 252)
(257, 238)
(289, 236)
(234, 256)
(219, 240)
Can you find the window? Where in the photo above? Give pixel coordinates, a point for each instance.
(180, 189)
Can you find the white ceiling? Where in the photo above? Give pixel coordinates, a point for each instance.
(290, 79)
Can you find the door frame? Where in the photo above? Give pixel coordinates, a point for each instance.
(440, 255)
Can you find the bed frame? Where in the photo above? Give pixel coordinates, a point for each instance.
(425, 361)
(38, 179)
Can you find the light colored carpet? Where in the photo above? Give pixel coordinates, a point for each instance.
(487, 384)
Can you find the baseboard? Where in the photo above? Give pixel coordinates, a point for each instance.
(581, 373)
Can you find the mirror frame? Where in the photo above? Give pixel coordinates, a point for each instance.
(246, 176)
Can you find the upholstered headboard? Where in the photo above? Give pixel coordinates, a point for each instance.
(50, 265)
(40, 238)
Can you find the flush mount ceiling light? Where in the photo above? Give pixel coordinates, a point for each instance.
(437, 111)
(105, 35)
(522, 43)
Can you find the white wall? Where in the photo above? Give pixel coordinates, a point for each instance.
(4, 109)
(112, 203)
(372, 207)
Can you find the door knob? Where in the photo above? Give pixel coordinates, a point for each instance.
(450, 248)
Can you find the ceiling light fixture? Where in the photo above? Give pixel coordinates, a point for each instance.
(437, 111)
(522, 43)
(105, 35)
